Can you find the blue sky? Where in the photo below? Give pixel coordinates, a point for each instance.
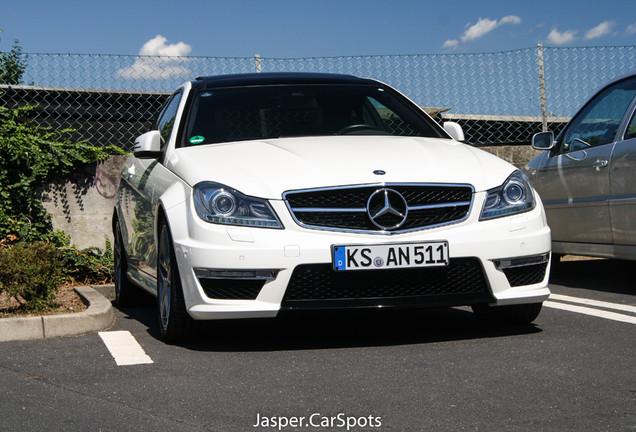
(324, 28)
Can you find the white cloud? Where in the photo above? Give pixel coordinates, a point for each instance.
(510, 19)
(158, 60)
(485, 26)
(451, 44)
(157, 47)
(146, 68)
(600, 30)
(559, 38)
(631, 29)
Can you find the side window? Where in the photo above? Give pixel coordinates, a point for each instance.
(598, 123)
(166, 119)
(631, 128)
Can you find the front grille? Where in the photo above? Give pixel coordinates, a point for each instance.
(526, 275)
(231, 289)
(348, 208)
(319, 286)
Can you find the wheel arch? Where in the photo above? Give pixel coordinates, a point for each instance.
(171, 207)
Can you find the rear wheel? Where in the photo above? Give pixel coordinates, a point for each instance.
(125, 291)
(511, 314)
(174, 321)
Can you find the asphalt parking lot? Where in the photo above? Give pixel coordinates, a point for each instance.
(433, 370)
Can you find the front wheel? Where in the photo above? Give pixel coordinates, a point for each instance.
(174, 321)
(510, 314)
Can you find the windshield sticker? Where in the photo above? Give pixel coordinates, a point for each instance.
(196, 139)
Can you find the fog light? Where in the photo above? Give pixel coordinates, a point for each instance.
(506, 263)
(236, 274)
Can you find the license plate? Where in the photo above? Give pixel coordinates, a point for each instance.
(388, 256)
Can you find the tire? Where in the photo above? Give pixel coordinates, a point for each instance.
(521, 314)
(126, 293)
(175, 323)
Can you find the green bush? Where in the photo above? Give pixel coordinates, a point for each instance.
(87, 266)
(31, 273)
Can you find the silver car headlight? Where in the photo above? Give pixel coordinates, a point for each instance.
(216, 203)
(515, 195)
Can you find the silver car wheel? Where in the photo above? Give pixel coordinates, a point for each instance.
(164, 280)
(125, 291)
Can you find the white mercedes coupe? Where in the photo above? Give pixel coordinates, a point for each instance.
(261, 193)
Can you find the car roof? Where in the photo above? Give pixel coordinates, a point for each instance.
(278, 78)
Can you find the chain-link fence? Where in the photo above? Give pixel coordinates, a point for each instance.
(498, 98)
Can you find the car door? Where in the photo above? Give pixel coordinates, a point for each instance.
(136, 194)
(575, 177)
(142, 177)
(623, 182)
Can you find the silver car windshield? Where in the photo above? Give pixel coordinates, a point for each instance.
(238, 114)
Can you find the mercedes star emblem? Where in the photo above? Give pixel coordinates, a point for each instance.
(387, 209)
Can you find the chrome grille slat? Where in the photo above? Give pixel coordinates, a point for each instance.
(330, 210)
(345, 208)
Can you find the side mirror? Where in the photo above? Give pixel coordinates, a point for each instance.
(543, 141)
(148, 145)
(454, 130)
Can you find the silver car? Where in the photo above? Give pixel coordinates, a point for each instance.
(587, 176)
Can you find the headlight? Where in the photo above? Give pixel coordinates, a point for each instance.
(219, 204)
(514, 196)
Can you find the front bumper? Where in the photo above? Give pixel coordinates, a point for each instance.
(234, 272)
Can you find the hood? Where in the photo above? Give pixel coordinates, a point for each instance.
(267, 168)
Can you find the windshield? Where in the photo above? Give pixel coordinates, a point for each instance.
(248, 113)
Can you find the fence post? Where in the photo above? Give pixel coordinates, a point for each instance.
(257, 60)
(544, 107)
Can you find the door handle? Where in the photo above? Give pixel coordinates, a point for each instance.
(600, 164)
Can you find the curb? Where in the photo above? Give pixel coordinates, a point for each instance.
(99, 316)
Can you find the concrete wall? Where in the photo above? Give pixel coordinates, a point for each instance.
(82, 206)
(518, 155)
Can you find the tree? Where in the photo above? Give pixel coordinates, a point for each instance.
(12, 65)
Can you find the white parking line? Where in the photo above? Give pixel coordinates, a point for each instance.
(597, 303)
(592, 310)
(124, 348)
